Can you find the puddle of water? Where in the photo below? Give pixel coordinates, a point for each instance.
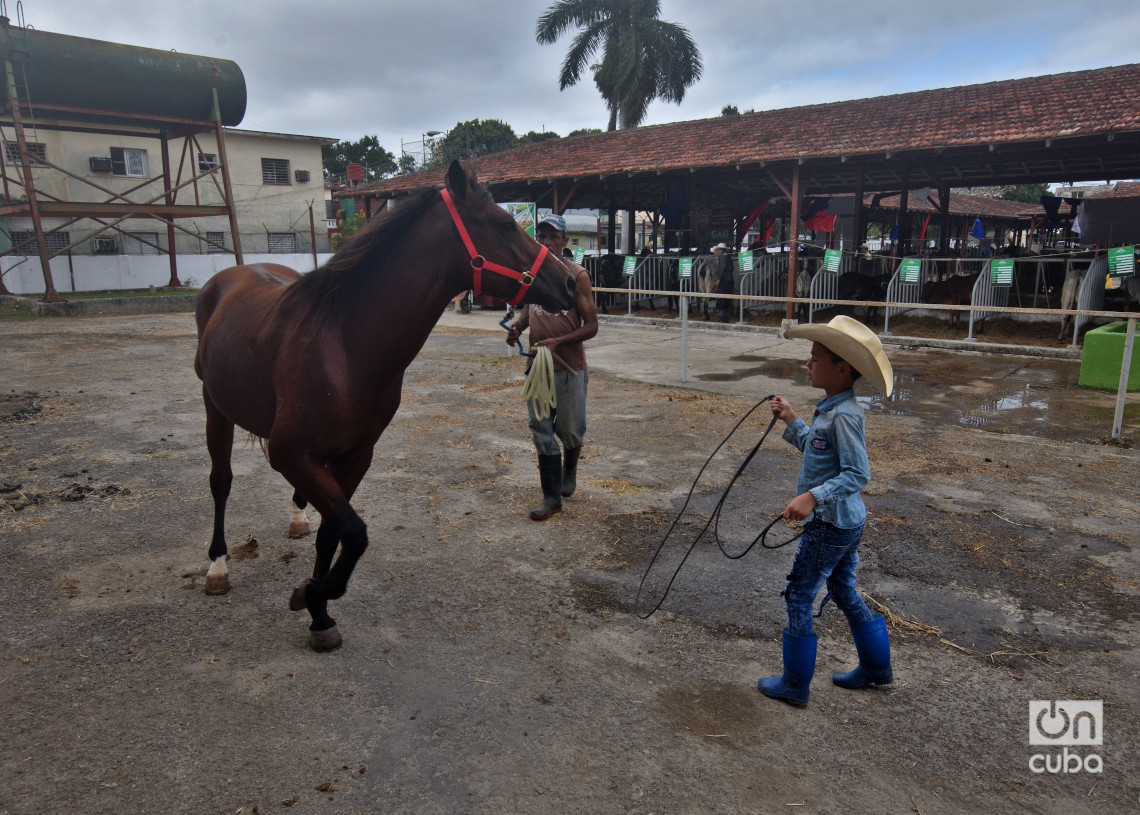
(1001, 394)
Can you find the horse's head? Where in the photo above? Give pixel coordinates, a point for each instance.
(505, 262)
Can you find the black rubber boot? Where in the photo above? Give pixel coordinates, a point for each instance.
(570, 471)
(550, 474)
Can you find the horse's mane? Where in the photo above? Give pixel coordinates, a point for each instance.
(334, 284)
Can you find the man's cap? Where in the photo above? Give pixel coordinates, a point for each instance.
(719, 246)
(556, 221)
(856, 343)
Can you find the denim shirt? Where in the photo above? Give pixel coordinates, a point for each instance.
(835, 463)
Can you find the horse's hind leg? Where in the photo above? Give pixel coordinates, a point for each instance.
(219, 443)
(298, 520)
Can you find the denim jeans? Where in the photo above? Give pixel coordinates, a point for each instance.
(828, 554)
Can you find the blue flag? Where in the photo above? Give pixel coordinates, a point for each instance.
(978, 231)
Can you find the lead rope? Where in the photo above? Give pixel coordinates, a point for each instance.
(714, 518)
(538, 387)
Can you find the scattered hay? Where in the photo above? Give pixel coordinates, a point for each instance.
(617, 486)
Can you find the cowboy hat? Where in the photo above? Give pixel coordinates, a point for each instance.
(719, 246)
(856, 343)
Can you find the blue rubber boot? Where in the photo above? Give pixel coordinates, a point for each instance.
(874, 656)
(799, 666)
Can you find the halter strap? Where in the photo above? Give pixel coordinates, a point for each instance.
(479, 263)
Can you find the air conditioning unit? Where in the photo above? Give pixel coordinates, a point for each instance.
(104, 246)
(101, 164)
(301, 175)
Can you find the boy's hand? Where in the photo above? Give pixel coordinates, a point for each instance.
(782, 410)
(800, 507)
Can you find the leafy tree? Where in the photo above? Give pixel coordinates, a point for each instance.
(366, 151)
(535, 136)
(407, 164)
(1026, 193)
(730, 110)
(349, 226)
(478, 137)
(643, 57)
(584, 131)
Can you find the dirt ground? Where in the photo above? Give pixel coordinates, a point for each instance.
(495, 665)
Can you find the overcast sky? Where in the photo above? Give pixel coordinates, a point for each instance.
(400, 69)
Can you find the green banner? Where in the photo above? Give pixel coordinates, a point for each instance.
(686, 268)
(1122, 261)
(745, 261)
(524, 214)
(630, 266)
(1001, 272)
(910, 270)
(832, 258)
(579, 254)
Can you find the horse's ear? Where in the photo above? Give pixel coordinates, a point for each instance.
(459, 181)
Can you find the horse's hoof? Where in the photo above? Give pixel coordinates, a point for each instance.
(217, 583)
(298, 529)
(327, 640)
(297, 600)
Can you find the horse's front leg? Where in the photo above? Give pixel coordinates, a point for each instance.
(323, 633)
(219, 443)
(339, 524)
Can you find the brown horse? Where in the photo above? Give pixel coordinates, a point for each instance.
(314, 365)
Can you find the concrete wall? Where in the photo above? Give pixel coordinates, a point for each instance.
(260, 207)
(23, 275)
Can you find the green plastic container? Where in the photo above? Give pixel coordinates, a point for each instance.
(1104, 354)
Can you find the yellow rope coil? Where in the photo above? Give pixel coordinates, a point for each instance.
(538, 388)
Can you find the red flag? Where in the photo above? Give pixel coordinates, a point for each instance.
(925, 223)
(747, 223)
(821, 222)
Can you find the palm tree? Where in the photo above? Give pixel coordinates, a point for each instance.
(643, 57)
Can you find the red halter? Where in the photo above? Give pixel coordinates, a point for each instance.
(479, 263)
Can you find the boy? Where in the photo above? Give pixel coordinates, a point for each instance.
(834, 470)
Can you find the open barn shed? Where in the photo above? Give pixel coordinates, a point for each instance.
(1077, 126)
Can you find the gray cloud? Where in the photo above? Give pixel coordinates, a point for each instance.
(398, 69)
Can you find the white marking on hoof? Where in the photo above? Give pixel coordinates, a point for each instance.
(218, 577)
(298, 523)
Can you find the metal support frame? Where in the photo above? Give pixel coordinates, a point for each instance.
(118, 206)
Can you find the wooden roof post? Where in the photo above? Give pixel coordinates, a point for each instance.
(793, 243)
(904, 214)
(944, 218)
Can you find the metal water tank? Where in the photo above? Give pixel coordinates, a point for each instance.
(97, 76)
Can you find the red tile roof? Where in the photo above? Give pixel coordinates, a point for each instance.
(1055, 107)
(1122, 189)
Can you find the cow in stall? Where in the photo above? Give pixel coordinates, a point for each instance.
(957, 290)
(868, 287)
(1069, 291)
(672, 283)
(608, 275)
(803, 291)
(704, 280)
(1132, 289)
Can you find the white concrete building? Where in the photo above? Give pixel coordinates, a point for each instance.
(278, 193)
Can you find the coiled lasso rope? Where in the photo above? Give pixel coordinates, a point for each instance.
(538, 389)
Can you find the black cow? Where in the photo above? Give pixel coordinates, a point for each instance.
(855, 286)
